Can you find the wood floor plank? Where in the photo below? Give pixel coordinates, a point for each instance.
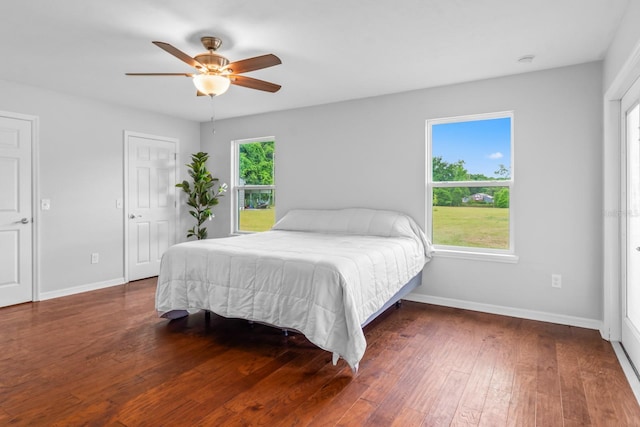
(496, 407)
(322, 399)
(399, 390)
(474, 395)
(574, 402)
(340, 405)
(359, 413)
(548, 410)
(434, 374)
(378, 390)
(548, 405)
(599, 401)
(235, 386)
(522, 406)
(288, 388)
(547, 373)
(444, 408)
(104, 358)
(408, 417)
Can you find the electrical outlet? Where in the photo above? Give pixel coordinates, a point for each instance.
(556, 281)
(95, 257)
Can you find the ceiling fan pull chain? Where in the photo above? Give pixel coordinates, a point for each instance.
(213, 115)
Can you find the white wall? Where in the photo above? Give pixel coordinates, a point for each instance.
(371, 153)
(81, 172)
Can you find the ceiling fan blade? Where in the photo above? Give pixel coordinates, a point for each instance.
(179, 54)
(252, 64)
(254, 83)
(160, 74)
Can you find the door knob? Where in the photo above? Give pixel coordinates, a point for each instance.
(23, 221)
(132, 216)
(638, 249)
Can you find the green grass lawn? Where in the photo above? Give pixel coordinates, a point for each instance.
(471, 227)
(257, 219)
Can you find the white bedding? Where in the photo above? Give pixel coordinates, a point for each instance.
(322, 273)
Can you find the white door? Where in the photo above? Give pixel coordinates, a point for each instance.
(631, 284)
(15, 211)
(151, 202)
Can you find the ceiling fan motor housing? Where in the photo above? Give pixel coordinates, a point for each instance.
(212, 61)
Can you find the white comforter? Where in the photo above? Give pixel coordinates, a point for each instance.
(315, 272)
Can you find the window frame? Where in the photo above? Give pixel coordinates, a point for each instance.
(465, 252)
(235, 178)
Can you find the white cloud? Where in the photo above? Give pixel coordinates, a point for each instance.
(497, 155)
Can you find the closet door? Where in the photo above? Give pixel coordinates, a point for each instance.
(151, 202)
(16, 224)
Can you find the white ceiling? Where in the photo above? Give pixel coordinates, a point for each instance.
(331, 50)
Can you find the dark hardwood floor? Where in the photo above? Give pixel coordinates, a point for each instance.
(104, 358)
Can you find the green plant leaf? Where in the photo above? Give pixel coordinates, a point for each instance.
(201, 193)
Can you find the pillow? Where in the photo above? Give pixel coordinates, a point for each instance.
(369, 222)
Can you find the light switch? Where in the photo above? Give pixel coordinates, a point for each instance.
(45, 204)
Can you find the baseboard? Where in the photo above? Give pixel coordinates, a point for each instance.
(79, 289)
(507, 311)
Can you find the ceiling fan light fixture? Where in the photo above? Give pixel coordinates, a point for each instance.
(211, 84)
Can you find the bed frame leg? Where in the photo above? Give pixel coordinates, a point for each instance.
(285, 332)
(398, 303)
(207, 320)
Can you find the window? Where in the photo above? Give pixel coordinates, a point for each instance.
(253, 184)
(469, 185)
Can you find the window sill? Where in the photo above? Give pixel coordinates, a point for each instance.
(476, 256)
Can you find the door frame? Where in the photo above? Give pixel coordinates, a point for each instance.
(624, 218)
(614, 176)
(614, 166)
(125, 147)
(35, 196)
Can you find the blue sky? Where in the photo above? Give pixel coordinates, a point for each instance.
(482, 144)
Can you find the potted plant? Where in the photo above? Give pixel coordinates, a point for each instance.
(202, 193)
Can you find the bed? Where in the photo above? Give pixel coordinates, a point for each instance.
(323, 273)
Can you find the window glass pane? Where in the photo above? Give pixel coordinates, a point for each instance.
(256, 209)
(256, 163)
(476, 150)
(471, 217)
(255, 206)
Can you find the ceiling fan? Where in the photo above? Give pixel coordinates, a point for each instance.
(215, 72)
